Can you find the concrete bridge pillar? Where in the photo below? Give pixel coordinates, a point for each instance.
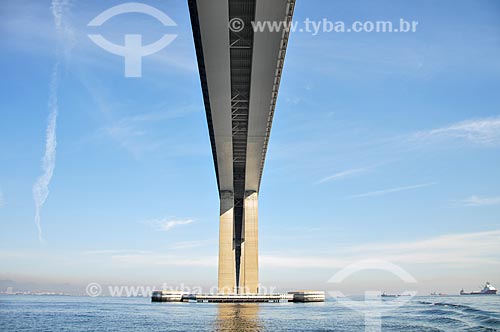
(227, 265)
(249, 268)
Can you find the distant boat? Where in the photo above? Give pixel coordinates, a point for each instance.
(438, 294)
(487, 290)
(384, 294)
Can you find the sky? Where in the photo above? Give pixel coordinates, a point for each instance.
(385, 147)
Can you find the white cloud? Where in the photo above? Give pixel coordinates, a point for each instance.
(190, 244)
(484, 131)
(437, 255)
(131, 138)
(115, 252)
(132, 132)
(166, 224)
(343, 174)
(450, 248)
(293, 100)
(481, 201)
(94, 260)
(151, 260)
(304, 262)
(453, 249)
(392, 190)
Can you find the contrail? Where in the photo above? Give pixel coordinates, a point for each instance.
(392, 190)
(41, 186)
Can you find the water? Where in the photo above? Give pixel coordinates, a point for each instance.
(64, 313)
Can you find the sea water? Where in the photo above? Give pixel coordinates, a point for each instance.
(66, 313)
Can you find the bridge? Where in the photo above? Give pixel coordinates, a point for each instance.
(240, 71)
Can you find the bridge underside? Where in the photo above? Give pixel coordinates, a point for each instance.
(240, 76)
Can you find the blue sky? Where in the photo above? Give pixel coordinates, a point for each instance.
(384, 146)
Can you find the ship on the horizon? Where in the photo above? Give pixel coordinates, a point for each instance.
(487, 290)
(384, 294)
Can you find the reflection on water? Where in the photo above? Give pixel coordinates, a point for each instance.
(236, 317)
